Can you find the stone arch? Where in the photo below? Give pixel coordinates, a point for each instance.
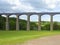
(56, 18)
(3, 15)
(35, 18)
(24, 17)
(44, 18)
(14, 16)
(12, 22)
(23, 25)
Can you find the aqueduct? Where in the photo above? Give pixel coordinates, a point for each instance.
(28, 19)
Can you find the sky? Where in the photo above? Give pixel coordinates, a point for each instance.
(17, 6)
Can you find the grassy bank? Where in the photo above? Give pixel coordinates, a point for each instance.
(14, 37)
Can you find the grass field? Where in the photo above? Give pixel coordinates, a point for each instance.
(15, 37)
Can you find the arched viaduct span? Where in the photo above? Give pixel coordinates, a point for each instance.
(28, 19)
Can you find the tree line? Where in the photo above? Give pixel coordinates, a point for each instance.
(45, 25)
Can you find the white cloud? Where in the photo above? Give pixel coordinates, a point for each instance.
(30, 5)
(52, 6)
(20, 6)
(15, 2)
(51, 3)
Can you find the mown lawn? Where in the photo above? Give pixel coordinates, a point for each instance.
(15, 37)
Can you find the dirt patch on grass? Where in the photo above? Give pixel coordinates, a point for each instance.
(49, 40)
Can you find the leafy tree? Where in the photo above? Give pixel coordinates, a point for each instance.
(56, 26)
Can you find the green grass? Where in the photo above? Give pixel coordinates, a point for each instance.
(15, 37)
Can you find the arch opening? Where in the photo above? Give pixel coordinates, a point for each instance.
(45, 22)
(23, 22)
(12, 22)
(34, 22)
(56, 23)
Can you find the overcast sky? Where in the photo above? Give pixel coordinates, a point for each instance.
(31, 6)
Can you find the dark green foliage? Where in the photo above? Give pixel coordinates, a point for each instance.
(33, 26)
(12, 23)
(23, 24)
(2, 23)
(45, 25)
(56, 26)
